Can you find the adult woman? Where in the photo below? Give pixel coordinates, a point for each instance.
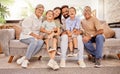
(57, 19)
(30, 35)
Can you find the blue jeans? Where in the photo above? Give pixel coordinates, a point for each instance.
(96, 52)
(34, 46)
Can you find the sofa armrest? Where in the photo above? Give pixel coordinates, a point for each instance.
(117, 32)
(5, 36)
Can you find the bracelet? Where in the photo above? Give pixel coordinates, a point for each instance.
(91, 35)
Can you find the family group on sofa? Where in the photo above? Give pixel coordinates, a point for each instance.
(61, 25)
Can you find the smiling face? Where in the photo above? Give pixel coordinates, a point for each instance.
(39, 11)
(72, 12)
(50, 15)
(57, 12)
(65, 12)
(87, 12)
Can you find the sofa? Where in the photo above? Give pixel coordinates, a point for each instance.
(13, 47)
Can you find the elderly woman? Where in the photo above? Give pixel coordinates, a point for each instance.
(30, 35)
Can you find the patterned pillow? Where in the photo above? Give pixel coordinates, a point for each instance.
(18, 30)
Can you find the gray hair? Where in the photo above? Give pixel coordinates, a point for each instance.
(39, 6)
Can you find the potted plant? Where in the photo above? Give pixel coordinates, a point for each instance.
(4, 10)
(3, 13)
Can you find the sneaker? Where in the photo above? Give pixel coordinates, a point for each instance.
(70, 54)
(50, 63)
(91, 58)
(58, 53)
(97, 63)
(51, 49)
(81, 64)
(53, 64)
(62, 63)
(19, 61)
(56, 66)
(25, 63)
(75, 54)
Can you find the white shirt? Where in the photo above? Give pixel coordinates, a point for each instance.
(29, 25)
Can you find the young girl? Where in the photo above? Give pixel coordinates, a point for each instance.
(50, 30)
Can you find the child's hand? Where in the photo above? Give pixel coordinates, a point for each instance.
(55, 30)
(78, 32)
(74, 30)
(51, 35)
(69, 34)
(49, 32)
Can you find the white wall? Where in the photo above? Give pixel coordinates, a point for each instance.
(16, 8)
(112, 11)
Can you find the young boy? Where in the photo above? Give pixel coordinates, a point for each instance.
(72, 27)
(50, 30)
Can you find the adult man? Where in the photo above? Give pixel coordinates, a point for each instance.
(30, 35)
(64, 37)
(92, 33)
(64, 41)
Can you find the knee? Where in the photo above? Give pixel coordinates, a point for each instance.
(100, 37)
(32, 40)
(86, 44)
(79, 37)
(64, 37)
(40, 41)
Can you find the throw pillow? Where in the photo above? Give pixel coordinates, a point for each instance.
(108, 32)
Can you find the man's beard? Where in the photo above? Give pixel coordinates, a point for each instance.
(66, 16)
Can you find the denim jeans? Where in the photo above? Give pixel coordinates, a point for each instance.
(34, 46)
(96, 52)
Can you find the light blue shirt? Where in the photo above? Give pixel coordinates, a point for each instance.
(72, 24)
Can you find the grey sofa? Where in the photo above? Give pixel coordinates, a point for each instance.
(12, 47)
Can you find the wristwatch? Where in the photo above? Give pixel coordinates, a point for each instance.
(91, 35)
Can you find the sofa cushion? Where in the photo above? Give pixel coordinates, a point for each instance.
(112, 42)
(17, 44)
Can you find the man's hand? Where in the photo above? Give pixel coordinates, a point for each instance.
(86, 39)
